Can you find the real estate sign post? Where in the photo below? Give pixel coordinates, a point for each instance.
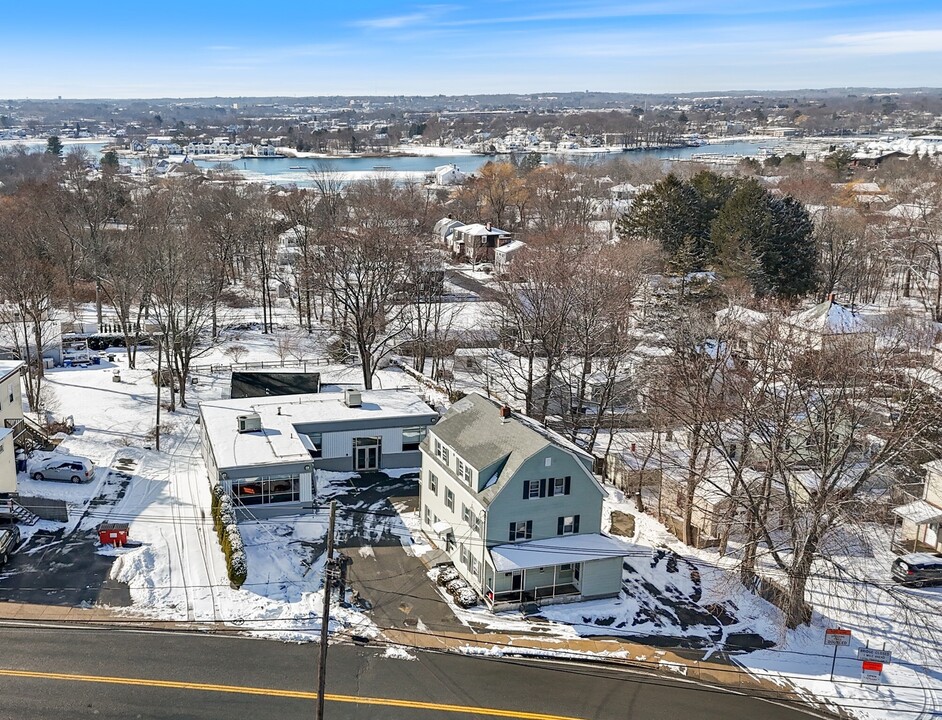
(837, 637)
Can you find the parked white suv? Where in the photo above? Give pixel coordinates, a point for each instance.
(63, 467)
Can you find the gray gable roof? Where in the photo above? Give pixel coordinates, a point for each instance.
(474, 429)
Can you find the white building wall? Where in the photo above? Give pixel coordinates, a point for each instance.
(7, 465)
(307, 490)
(11, 409)
(340, 444)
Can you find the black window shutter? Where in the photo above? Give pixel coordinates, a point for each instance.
(575, 524)
(542, 487)
(513, 532)
(529, 529)
(568, 481)
(551, 487)
(526, 489)
(559, 525)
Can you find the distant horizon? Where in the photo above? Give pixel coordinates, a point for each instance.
(533, 93)
(181, 50)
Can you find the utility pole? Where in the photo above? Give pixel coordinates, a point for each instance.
(325, 614)
(159, 382)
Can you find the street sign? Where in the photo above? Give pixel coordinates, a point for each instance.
(837, 637)
(880, 656)
(871, 672)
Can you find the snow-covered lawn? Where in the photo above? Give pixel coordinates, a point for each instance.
(672, 592)
(177, 570)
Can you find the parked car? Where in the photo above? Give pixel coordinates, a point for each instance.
(63, 467)
(918, 569)
(9, 539)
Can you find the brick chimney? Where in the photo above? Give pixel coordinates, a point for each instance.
(505, 413)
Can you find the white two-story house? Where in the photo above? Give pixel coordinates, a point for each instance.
(516, 507)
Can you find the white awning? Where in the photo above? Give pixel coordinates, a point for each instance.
(556, 551)
(441, 528)
(920, 512)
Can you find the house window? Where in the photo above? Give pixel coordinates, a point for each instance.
(560, 486)
(450, 543)
(464, 470)
(433, 483)
(567, 525)
(317, 441)
(442, 453)
(547, 462)
(788, 444)
(428, 515)
(474, 565)
(412, 437)
(449, 499)
(465, 514)
(532, 489)
(464, 554)
(522, 530)
(476, 523)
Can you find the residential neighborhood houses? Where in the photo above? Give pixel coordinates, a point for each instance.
(605, 410)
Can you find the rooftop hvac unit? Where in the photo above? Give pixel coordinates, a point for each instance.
(249, 423)
(352, 398)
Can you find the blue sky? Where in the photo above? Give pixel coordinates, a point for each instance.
(106, 48)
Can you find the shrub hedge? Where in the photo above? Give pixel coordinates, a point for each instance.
(230, 539)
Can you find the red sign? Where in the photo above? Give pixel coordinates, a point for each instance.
(873, 666)
(837, 631)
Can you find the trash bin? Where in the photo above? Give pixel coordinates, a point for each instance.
(21, 464)
(66, 363)
(110, 357)
(116, 377)
(113, 534)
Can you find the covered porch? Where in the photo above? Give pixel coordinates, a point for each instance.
(917, 528)
(554, 570)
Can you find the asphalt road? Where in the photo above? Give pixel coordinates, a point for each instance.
(104, 673)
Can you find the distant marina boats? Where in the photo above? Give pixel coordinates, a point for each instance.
(382, 167)
(295, 167)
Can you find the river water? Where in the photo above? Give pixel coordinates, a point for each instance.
(298, 171)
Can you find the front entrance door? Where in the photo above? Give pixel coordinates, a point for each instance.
(516, 581)
(366, 454)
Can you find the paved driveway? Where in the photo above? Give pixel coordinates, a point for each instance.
(393, 582)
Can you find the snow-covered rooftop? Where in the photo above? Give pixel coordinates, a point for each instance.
(8, 367)
(278, 440)
(830, 318)
(919, 512)
(556, 551)
(740, 315)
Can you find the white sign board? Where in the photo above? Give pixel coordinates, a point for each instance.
(880, 656)
(837, 637)
(871, 672)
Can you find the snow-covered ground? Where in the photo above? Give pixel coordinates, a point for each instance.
(178, 573)
(673, 593)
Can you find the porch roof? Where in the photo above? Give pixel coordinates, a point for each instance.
(556, 551)
(920, 512)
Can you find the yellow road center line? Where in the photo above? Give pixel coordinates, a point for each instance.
(298, 694)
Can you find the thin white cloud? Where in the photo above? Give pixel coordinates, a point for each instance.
(889, 42)
(425, 15)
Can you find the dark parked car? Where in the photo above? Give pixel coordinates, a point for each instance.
(918, 569)
(9, 539)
